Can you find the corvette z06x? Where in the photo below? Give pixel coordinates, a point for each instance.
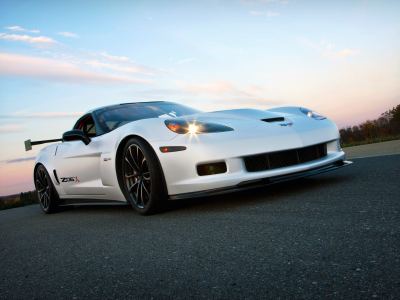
(147, 153)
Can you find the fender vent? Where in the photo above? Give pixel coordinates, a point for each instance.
(282, 159)
(56, 177)
(273, 120)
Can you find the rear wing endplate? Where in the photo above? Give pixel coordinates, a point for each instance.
(29, 144)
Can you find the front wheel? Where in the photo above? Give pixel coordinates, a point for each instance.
(48, 197)
(142, 178)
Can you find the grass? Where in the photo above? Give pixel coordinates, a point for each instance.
(373, 141)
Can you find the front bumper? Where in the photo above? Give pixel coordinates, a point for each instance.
(250, 138)
(261, 182)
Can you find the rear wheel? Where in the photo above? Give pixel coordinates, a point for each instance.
(48, 197)
(142, 178)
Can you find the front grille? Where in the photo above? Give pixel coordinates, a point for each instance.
(282, 159)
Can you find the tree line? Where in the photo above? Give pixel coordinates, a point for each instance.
(24, 199)
(388, 124)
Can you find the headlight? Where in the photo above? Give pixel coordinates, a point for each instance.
(312, 113)
(192, 126)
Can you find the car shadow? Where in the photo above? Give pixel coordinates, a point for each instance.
(235, 200)
(250, 197)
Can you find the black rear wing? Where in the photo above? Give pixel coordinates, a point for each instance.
(29, 144)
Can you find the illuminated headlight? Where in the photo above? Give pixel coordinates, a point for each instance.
(192, 126)
(312, 113)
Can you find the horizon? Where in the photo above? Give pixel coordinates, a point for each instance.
(59, 59)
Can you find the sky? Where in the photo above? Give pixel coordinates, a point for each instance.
(59, 59)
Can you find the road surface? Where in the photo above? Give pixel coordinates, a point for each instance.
(334, 235)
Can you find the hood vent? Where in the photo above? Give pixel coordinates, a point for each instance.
(273, 120)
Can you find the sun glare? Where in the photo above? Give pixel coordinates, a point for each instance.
(193, 128)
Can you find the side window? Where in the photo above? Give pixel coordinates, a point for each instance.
(87, 126)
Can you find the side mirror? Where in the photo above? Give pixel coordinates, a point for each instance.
(76, 135)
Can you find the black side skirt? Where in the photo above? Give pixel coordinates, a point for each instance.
(68, 202)
(262, 182)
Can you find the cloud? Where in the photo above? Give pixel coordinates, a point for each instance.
(339, 55)
(49, 69)
(269, 14)
(255, 89)
(114, 58)
(186, 60)
(41, 41)
(68, 34)
(347, 52)
(21, 29)
(327, 50)
(10, 128)
(19, 114)
(10, 161)
(117, 63)
(327, 53)
(54, 115)
(227, 92)
(247, 102)
(217, 87)
(272, 14)
(134, 70)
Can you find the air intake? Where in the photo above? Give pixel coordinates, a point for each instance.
(282, 159)
(273, 120)
(211, 169)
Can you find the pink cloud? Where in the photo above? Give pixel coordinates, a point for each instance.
(339, 55)
(347, 52)
(99, 65)
(224, 91)
(43, 68)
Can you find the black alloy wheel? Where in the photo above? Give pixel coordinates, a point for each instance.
(142, 177)
(48, 197)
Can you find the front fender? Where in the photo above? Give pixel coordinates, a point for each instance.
(47, 158)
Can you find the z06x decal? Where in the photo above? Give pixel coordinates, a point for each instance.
(68, 179)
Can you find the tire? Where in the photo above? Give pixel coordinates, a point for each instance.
(142, 178)
(47, 194)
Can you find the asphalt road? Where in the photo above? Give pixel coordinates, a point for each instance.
(334, 235)
(385, 148)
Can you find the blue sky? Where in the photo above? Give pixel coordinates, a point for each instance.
(59, 59)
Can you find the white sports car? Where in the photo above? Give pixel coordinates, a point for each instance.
(149, 152)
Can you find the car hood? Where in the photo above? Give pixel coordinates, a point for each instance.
(234, 116)
(251, 120)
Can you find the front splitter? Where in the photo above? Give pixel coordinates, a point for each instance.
(261, 182)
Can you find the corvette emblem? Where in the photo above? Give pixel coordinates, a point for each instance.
(285, 124)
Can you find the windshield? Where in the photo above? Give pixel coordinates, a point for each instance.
(110, 118)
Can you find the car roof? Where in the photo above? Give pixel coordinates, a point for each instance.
(130, 103)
